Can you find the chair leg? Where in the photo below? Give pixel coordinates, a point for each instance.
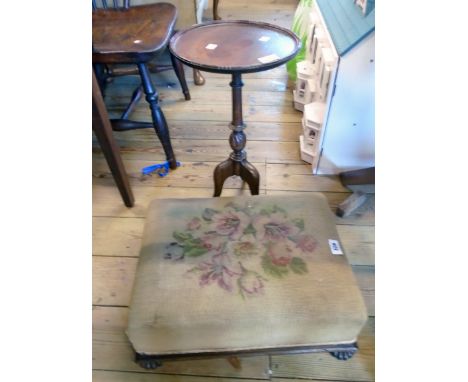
(101, 76)
(136, 96)
(179, 71)
(159, 121)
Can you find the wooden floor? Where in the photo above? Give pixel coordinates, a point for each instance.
(199, 135)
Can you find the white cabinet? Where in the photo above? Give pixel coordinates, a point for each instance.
(335, 89)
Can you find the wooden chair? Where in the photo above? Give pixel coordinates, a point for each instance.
(136, 35)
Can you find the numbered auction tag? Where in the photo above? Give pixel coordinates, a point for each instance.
(335, 247)
(211, 46)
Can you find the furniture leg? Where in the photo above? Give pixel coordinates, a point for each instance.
(179, 71)
(237, 163)
(100, 73)
(341, 352)
(222, 171)
(343, 355)
(159, 121)
(198, 79)
(358, 177)
(362, 182)
(215, 10)
(250, 174)
(103, 131)
(136, 96)
(147, 362)
(235, 362)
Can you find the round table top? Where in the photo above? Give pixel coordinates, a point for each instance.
(234, 46)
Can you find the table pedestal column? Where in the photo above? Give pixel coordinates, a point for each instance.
(237, 163)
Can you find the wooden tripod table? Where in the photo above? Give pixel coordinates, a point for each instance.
(235, 47)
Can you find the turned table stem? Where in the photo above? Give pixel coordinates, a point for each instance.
(237, 163)
(237, 139)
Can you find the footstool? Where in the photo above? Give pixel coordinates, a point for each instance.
(230, 276)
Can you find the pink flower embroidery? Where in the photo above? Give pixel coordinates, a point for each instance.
(214, 242)
(250, 283)
(306, 243)
(281, 252)
(194, 224)
(216, 271)
(230, 223)
(221, 242)
(274, 227)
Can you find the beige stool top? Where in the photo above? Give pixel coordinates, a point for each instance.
(246, 273)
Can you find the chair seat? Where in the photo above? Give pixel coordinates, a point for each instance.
(132, 35)
(242, 274)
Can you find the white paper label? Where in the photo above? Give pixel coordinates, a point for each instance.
(335, 247)
(266, 59)
(211, 46)
(264, 38)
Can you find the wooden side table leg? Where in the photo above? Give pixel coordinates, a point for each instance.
(250, 174)
(222, 171)
(103, 131)
(180, 73)
(237, 163)
(198, 79)
(215, 10)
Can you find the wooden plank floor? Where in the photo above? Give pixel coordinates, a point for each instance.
(199, 134)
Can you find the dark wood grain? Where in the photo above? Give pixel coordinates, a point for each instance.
(103, 131)
(340, 351)
(235, 47)
(132, 35)
(238, 46)
(136, 35)
(215, 10)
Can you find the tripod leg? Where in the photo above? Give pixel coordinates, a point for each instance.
(250, 174)
(222, 171)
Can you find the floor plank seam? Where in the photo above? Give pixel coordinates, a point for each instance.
(109, 306)
(182, 375)
(119, 256)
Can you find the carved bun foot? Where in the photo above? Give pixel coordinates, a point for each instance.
(149, 363)
(343, 355)
(198, 79)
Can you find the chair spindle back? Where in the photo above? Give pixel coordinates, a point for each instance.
(125, 4)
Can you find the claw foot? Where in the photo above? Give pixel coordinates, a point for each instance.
(343, 355)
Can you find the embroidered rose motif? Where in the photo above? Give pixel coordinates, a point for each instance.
(234, 246)
(194, 224)
(250, 283)
(213, 242)
(280, 253)
(274, 227)
(230, 223)
(305, 243)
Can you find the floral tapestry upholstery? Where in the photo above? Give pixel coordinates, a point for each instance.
(244, 273)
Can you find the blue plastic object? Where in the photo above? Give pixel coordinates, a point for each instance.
(161, 168)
